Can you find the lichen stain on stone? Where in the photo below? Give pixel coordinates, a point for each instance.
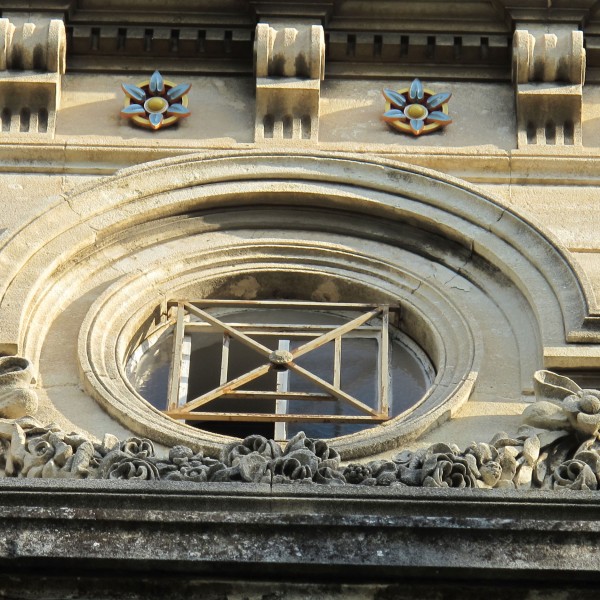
(326, 292)
(246, 288)
(398, 176)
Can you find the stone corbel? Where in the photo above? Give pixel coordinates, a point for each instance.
(548, 74)
(32, 61)
(290, 63)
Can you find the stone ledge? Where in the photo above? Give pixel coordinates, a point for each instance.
(301, 532)
(481, 164)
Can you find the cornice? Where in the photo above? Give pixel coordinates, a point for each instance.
(563, 11)
(341, 14)
(291, 533)
(468, 39)
(318, 10)
(357, 14)
(486, 164)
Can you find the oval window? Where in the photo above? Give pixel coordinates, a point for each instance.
(277, 367)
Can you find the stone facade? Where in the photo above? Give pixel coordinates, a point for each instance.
(287, 182)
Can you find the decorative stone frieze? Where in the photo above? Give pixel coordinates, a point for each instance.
(557, 448)
(548, 74)
(290, 64)
(32, 61)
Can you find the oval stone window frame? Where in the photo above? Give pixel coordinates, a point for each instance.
(47, 260)
(116, 319)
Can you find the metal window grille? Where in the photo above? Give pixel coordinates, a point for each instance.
(372, 321)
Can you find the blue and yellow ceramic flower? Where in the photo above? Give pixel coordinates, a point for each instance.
(156, 103)
(416, 110)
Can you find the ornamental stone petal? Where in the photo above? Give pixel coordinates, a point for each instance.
(491, 473)
(590, 458)
(329, 476)
(138, 447)
(575, 475)
(551, 387)
(546, 415)
(133, 468)
(157, 84)
(394, 98)
(194, 471)
(416, 91)
(252, 467)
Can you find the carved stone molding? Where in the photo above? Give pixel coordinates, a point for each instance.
(32, 61)
(290, 64)
(314, 9)
(548, 73)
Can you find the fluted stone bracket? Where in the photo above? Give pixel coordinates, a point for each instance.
(290, 64)
(32, 62)
(548, 74)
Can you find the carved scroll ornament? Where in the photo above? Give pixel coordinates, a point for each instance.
(32, 62)
(290, 64)
(558, 447)
(17, 399)
(548, 73)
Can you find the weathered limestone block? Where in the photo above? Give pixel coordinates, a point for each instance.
(32, 61)
(290, 63)
(548, 73)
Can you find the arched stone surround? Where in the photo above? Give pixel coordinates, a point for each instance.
(100, 260)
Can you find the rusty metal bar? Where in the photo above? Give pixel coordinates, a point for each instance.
(236, 335)
(271, 417)
(226, 387)
(331, 389)
(384, 364)
(175, 370)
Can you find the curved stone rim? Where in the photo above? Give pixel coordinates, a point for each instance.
(109, 327)
(383, 189)
(130, 196)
